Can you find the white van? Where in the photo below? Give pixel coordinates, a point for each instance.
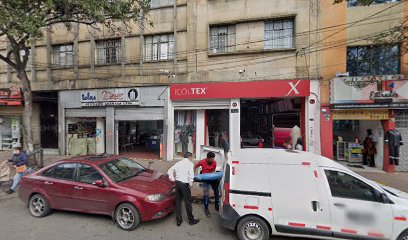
(301, 194)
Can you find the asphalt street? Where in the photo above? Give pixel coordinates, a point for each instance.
(16, 223)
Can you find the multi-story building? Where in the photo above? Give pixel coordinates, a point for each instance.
(364, 72)
(177, 82)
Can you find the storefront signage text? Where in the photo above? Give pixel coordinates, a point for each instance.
(110, 97)
(11, 96)
(361, 115)
(255, 89)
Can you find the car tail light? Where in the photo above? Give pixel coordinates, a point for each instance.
(226, 185)
(226, 193)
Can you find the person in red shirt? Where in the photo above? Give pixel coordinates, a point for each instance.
(209, 165)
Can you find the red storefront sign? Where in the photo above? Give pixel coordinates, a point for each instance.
(256, 89)
(11, 97)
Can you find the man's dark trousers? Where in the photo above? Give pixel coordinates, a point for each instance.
(183, 192)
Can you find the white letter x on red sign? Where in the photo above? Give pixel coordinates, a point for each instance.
(293, 88)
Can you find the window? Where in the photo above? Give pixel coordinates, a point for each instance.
(63, 55)
(279, 34)
(64, 171)
(160, 3)
(108, 51)
(353, 3)
(159, 47)
(373, 60)
(121, 169)
(222, 39)
(88, 174)
(345, 186)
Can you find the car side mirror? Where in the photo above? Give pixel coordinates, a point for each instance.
(99, 183)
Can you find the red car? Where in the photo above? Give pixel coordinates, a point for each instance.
(108, 185)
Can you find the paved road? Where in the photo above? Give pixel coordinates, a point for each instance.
(16, 224)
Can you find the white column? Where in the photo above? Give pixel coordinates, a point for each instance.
(235, 126)
(200, 134)
(100, 136)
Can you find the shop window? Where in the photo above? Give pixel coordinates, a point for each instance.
(11, 131)
(81, 136)
(279, 34)
(159, 47)
(222, 39)
(268, 123)
(373, 60)
(354, 3)
(63, 55)
(185, 132)
(108, 51)
(218, 129)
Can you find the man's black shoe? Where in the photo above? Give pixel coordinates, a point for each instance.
(10, 191)
(217, 209)
(207, 213)
(179, 223)
(194, 221)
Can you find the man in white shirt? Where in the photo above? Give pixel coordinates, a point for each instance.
(183, 173)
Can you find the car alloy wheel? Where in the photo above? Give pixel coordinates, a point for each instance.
(38, 206)
(252, 231)
(125, 218)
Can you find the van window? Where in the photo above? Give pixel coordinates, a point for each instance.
(343, 185)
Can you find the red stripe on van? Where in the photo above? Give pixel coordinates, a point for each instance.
(401, 219)
(297, 224)
(315, 173)
(251, 207)
(235, 162)
(326, 228)
(306, 163)
(344, 230)
(380, 235)
(270, 209)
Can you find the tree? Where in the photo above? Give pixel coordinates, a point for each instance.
(23, 22)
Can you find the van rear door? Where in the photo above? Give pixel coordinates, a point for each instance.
(299, 206)
(357, 208)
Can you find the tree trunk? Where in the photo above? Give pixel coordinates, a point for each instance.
(28, 109)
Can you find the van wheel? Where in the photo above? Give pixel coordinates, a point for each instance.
(253, 228)
(38, 206)
(404, 235)
(127, 217)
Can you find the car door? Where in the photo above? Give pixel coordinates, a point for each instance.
(87, 196)
(357, 207)
(299, 207)
(57, 183)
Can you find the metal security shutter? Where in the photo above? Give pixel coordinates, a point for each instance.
(202, 104)
(87, 112)
(139, 114)
(401, 121)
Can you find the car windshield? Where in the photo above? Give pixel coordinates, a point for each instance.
(121, 169)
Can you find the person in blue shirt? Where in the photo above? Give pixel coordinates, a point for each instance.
(19, 160)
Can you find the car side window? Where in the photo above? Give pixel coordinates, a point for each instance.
(64, 171)
(343, 185)
(49, 172)
(88, 174)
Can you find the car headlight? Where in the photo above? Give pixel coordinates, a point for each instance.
(155, 198)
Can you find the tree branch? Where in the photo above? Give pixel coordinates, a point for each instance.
(8, 61)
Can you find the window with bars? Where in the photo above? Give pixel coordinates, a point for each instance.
(373, 60)
(279, 34)
(63, 55)
(159, 47)
(222, 39)
(108, 51)
(354, 3)
(161, 3)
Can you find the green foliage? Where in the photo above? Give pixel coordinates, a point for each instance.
(23, 21)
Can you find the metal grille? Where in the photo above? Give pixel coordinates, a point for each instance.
(401, 121)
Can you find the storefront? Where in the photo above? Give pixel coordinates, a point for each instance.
(117, 121)
(207, 114)
(362, 104)
(11, 118)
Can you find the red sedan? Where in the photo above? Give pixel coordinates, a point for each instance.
(108, 185)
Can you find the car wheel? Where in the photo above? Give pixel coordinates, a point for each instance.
(253, 228)
(127, 217)
(38, 206)
(404, 235)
